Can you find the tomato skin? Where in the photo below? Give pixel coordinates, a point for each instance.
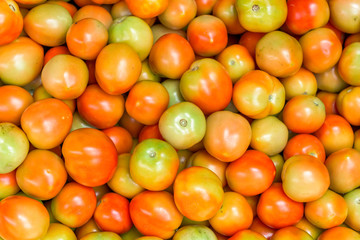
(277, 210)
(90, 156)
(303, 82)
(49, 119)
(58, 231)
(17, 210)
(347, 104)
(121, 138)
(99, 108)
(292, 233)
(352, 219)
(155, 214)
(89, 227)
(112, 213)
(226, 11)
(308, 227)
(195, 232)
(14, 100)
(249, 40)
(11, 21)
(93, 11)
(147, 8)
(251, 174)
(207, 84)
(259, 227)
(348, 64)
(343, 15)
(192, 203)
(339, 232)
(8, 184)
(101, 235)
(330, 80)
(42, 174)
(247, 234)
(178, 14)
(306, 15)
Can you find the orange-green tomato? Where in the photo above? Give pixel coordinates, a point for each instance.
(247, 235)
(308, 227)
(58, 231)
(291, 233)
(352, 199)
(195, 232)
(348, 65)
(8, 184)
(102, 236)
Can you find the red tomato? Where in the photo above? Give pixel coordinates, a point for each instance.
(52, 52)
(121, 138)
(8, 184)
(150, 131)
(329, 100)
(112, 213)
(11, 21)
(155, 214)
(249, 40)
(23, 218)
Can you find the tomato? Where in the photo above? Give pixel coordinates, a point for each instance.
(121, 138)
(339, 232)
(279, 54)
(171, 56)
(117, 68)
(182, 125)
(101, 235)
(23, 218)
(58, 231)
(227, 135)
(348, 64)
(278, 162)
(47, 24)
(269, 135)
(11, 21)
(343, 166)
(112, 213)
(147, 8)
(305, 144)
(247, 234)
(207, 35)
(8, 184)
(352, 219)
(86, 38)
(344, 15)
(261, 228)
(195, 232)
(99, 108)
(49, 119)
(235, 215)
(237, 61)
(74, 205)
(198, 193)
(351, 39)
(95, 12)
(69, 7)
(52, 52)
(335, 134)
(330, 80)
(226, 11)
(277, 210)
(89, 227)
(90, 156)
(160, 30)
(133, 31)
(130, 124)
(291, 233)
(14, 100)
(306, 15)
(120, 9)
(249, 40)
(303, 82)
(304, 114)
(150, 131)
(20, 61)
(148, 238)
(207, 84)
(178, 14)
(257, 94)
(42, 174)
(155, 214)
(261, 16)
(308, 227)
(329, 100)
(251, 174)
(65, 76)
(347, 104)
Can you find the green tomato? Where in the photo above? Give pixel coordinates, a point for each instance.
(14, 147)
(195, 232)
(101, 236)
(173, 88)
(58, 231)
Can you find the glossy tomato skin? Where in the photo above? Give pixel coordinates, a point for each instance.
(178, 14)
(302, 82)
(330, 80)
(195, 232)
(308, 227)
(147, 8)
(344, 233)
(226, 11)
(59, 231)
(352, 219)
(49, 119)
(207, 84)
(74, 205)
(292, 233)
(93, 11)
(121, 138)
(259, 227)
(277, 210)
(247, 234)
(155, 214)
(192, 203)
(348, 64)
(8, 184)
(11, 21)
(17, 210)
(251, 174)
(347, 104)
(306, 15)
(112, 213)
(343, 15)
(42, 174)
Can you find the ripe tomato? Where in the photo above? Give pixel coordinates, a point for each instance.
(329, 100)
(23, 218)
(8, 184)
(52, 52)
(42, 174)
(347, 104)
(227, 135)
(303, 82)
(308, 227)
(205, 6)
(65, 76)
(155, 214)
(279, 54)
(292, 233)
(306, 15)
(74, 205)
(112, 213)
(247, 234)
(117, 68)
(95, 12)
(150, 131)
(259, 227)
(121, 138)
(339, 232)
(348, 64)
(277, 210)
(251, 174)
(90, 156)
(47, 24)
(14, 100)
(198, 193)
(49, 119)
(178, 14)
(99, 108)
(249, 40)
(207, 35)
(11, 21)
(261, 16)
(257, 94)
(147, 8)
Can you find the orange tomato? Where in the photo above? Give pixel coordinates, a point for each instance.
(348, 64)
(292, 233)
(347, 104)
(259, 227)
(302, 82)
(329, 100)
(95, 12)
(8, 184)
(178, 14)
(205, 6)
(330, 80)
(249, 40)
(150, 131)
(339, 232)
(52, 52)
(147, 8)
(11, 21)
(120, 137)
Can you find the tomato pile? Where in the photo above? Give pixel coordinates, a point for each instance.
(179, 119)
